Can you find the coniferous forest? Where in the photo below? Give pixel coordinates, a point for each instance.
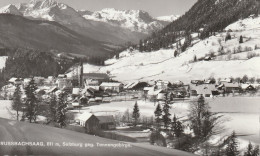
(206, 17)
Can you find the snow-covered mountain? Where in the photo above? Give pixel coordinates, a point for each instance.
(134, 20)
(109, 25)
(10, 9)
(170, 18)
(51, 10)
(236, 59)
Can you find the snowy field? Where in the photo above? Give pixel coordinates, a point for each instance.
(2, 61)
(7, 112)
(241, 114)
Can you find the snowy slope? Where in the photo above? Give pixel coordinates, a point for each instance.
(132, 66)
(2, 61)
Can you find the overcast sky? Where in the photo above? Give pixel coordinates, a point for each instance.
(154, 7)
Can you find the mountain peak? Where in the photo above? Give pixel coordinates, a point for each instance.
(10, 9)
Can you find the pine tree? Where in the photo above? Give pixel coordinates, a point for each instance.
(31, 101)
(177, 128)
(251, 150)
(17, 100)
(61, 111)
(232, 146)
(202, 121)
(136, 114)
(53, 107)
(158, 115)
(166, 114)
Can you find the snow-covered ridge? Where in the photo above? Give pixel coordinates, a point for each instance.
(135, 20)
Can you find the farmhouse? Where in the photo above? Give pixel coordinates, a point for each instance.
(206, 90)
(112, 86)
(231, 87)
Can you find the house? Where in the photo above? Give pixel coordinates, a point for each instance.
(248, 87)
(112, 86)
(205, 89)
(76, 91)
(15, 81)
(231, 87)
(162, 84)
(38, 80)
(207, 58)
(106, 122)
(197, 82)
(225, 80)
(100, 77)
(62, 76)
(63, 83)
(89, 121)
(26, 81)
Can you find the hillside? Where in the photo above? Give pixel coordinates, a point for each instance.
(205, 18)
(229, 58)
(69, 142)
(108, 25)
(17, 31)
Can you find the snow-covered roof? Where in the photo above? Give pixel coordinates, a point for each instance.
(245, 86)
(131, 85)
(85, 116)
(110, 84)
(75, 91)
(148, 88)
(13, 79)
(203, 89)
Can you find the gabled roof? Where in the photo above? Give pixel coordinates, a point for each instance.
(85, 116)
(245, 86)
(106, 119)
